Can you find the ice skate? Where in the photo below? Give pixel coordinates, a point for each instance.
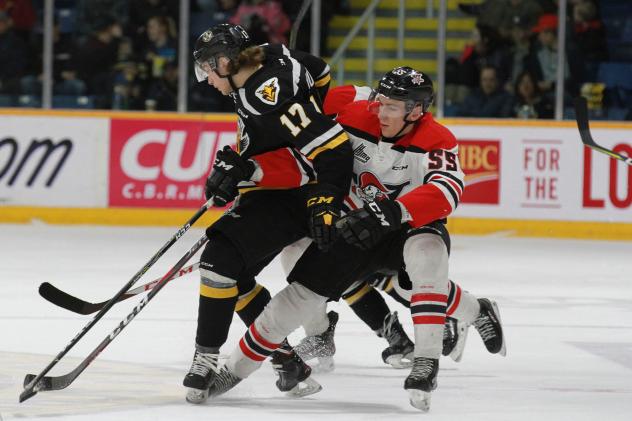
(421, 381)
(454, 337)
(294, 375)
(321, 347)
(400, 350)
(201, 375)
(489, 326)
(225, 380)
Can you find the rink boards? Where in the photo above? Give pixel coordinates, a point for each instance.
(124, 168)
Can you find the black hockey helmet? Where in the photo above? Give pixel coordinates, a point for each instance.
(222, 40)
(408, 85)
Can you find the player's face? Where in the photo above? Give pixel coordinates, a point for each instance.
(391, 114)
(219, 83)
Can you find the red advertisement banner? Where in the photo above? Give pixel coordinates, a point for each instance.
(480, 161)
(163, 163)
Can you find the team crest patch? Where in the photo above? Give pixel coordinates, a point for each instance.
(268, 92)
(206, 36)
(417, 79)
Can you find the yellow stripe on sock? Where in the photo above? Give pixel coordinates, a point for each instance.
(389, 285)
(243, 302)
(211, 292)
(358, 295)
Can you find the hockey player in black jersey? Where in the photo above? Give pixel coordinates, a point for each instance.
(275, 91)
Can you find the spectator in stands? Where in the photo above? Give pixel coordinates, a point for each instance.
(527, 100)
(96, 57)
(543, 61)
(129, 83)
(519, 51)
(588, 32)
(13, 61)
(90, 15)
(486, 49)
(140, 12)
(263, 18)
(65, 79)
(164, 91)
(500, 13)
(489, 100)
(22, 15)
(162, 45)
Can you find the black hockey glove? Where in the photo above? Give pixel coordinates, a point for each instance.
(365, 227)
(324, 210)
(229, 169)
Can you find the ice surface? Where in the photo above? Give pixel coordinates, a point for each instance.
(566, 307)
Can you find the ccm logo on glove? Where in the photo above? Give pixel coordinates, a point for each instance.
(379, 214)
(320, 199)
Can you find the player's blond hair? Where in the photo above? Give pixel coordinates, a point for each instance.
(250, 57)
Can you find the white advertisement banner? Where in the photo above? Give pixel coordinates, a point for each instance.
(53, 161)
(546, 173)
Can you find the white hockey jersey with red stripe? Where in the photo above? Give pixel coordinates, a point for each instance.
(421, 169)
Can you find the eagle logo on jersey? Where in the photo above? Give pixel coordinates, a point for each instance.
(268, 91)
(370, 189)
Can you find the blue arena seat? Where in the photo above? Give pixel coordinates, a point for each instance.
(29, 101)
(67, 19)
(615, 75)
(72, 101)
(6, 101)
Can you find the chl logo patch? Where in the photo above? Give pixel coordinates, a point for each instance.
(268, 92)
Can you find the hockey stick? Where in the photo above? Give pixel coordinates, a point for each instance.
(28, 393)
(581, 114)
(297, 22)
(64, 300)
(34, 384)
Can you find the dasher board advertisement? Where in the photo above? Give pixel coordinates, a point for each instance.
(543, 173)
(164, 163)
(53, 161)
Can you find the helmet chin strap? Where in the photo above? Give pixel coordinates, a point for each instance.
(407, 123)
(229, 77)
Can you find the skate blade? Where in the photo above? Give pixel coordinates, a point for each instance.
(307, 387)
(503, 348)
(457, 352)
(197, 396)
(325, 365)
(419, 399)
(399, 361)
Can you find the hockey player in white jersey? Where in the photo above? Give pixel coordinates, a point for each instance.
(412, 161)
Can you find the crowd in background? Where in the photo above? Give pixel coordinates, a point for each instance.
(510, 67)
(123, 54)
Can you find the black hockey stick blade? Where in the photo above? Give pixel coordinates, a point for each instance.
(581, 115)
(69, 302)
(36, 383)
(62, 299)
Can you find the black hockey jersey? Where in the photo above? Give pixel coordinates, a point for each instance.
(279, 107)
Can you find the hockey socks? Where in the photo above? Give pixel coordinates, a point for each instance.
(461, 304)
(215, 314)
(252, 303)
(428, 311)
(368, 305)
